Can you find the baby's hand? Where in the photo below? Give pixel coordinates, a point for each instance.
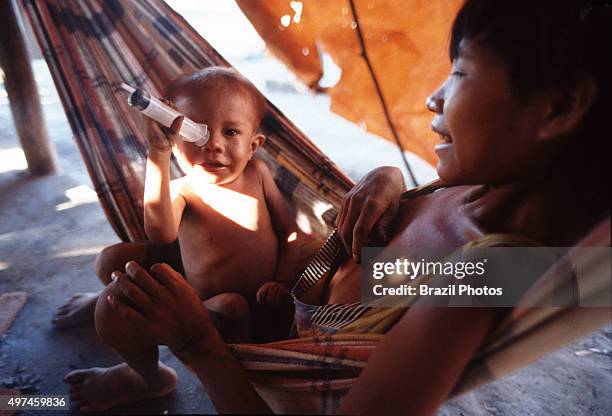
(160, 139)
(273, 294)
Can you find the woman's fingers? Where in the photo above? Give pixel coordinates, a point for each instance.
(165, 274)
(132, 292)
(140, 277)
(381, 228)
(371, 211)
(126, 311)
(342, 211)
(352, 208)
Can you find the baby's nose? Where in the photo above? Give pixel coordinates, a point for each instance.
(213, 144)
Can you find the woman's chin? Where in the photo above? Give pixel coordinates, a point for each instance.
(450, 175)
(446, 173)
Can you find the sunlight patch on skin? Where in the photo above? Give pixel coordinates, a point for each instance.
(319, 208)
(303, 223)
(12, 159)
(292, 237)
(239, 208)
(79, 195)
(86, 251)
(4, 266)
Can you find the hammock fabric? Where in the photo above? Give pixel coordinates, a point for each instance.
(91, 46)
(311, 375)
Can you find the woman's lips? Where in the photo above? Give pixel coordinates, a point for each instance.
(442, 146)
(446, 140)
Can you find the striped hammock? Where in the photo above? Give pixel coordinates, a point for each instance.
(91, 46)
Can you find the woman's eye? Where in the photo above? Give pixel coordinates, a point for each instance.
(458, 74)
(231, 132)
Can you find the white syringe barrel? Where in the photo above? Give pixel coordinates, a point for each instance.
(152, 107)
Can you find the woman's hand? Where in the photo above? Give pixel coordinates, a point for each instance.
(160, 139)
(369, 208)
(164, 306)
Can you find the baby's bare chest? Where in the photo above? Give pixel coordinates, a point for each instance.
(228, 244)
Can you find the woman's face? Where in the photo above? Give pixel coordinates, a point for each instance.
(487, 135)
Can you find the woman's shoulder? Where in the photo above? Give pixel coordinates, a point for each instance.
(438, 218)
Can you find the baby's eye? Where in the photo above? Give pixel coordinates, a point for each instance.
(231, 132)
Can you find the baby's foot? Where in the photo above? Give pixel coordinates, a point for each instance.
(97, 389)
(77, 310)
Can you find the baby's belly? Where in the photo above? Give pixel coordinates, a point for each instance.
(239, 264)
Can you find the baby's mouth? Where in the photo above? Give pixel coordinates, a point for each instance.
(212, 165)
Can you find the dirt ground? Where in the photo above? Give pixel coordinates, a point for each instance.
(50, 234)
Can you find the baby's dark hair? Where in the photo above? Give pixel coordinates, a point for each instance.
(225, 79)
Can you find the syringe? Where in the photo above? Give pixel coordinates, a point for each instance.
(152, 107)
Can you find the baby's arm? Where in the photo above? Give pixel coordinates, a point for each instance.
(163, 203)
(285, 228)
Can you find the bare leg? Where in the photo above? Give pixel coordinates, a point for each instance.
(234, 314)
(142, 376)
(80, 307)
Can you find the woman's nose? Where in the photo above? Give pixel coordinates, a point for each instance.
(435, 103)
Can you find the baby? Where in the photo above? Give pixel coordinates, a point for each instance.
(237, 236)
(238, 240)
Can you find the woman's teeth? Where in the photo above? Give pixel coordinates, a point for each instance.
(445, 139)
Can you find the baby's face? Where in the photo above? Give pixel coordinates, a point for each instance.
(232, 125)
(487, 135)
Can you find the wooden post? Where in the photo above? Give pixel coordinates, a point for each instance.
(23, 94)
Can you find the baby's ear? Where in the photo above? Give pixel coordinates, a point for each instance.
(257, 141)
(566, 109)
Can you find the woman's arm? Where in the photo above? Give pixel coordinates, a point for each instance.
(224, 378)
(166, 307)
(419, 361)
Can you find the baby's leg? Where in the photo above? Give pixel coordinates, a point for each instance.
(80, 307)
(141, 376)
(234, 316)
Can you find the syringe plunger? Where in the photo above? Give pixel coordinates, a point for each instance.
(152, 107)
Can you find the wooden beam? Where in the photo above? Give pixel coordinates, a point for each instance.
(23, 94)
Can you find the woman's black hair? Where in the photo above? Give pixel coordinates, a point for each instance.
(543, 43)
(547, 45)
